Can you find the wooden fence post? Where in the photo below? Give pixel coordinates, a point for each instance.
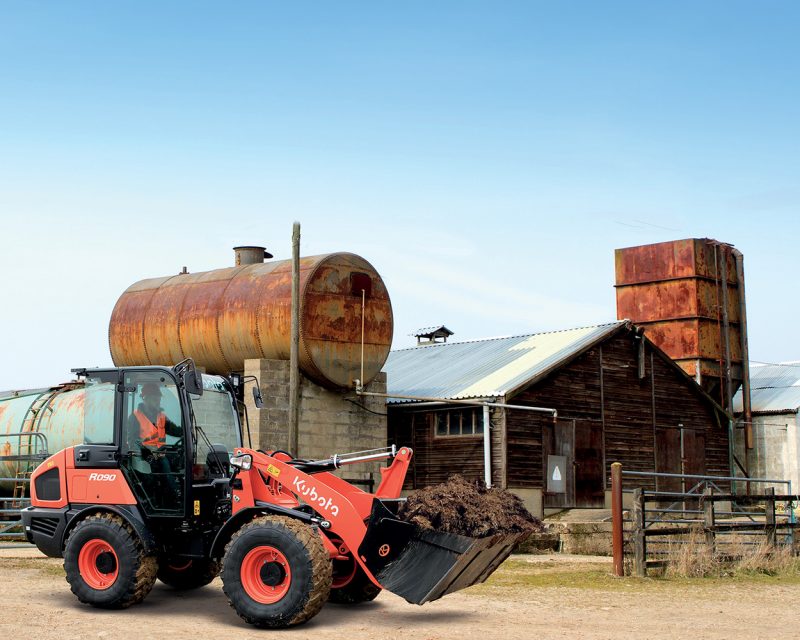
(616, 519)
(709, 520)
(639, 540)
(769, 516)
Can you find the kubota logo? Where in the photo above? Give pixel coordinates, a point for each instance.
(310, 494)
(103, 477)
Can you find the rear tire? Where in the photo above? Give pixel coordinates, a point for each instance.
(106, 563)
(276, 572)
(183, 574)
(359, 589)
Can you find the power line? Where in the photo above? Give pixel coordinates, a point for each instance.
(777, 386)
(778, 364)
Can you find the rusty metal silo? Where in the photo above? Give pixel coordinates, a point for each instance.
(221, 318)
(689, 297)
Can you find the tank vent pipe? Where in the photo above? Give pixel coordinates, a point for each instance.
(250, 255)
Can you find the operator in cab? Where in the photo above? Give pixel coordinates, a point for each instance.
(150, 422)
(148, 427)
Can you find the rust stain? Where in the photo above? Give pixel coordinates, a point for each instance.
(674, 290)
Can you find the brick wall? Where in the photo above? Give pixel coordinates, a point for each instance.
(330, 421)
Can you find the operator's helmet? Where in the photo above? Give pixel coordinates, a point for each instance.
(151, 389)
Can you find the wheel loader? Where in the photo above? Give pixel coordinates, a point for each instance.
(137, 501)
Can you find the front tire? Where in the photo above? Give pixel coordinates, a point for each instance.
(106, 563)
(276, 572)
(183, 574)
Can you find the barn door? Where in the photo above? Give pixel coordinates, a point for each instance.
(668, 458)
(693, 455)
(679, 451)
(574, 465)
(559, 477)
(588, 465)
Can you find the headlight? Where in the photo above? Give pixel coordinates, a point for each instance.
(244, 461)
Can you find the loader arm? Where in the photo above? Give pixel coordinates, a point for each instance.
(344, 510)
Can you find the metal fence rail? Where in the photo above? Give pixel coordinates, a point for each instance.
(661, 522)
(31, 450)
(10, 518)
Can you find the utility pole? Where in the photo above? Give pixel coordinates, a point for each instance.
(294, 352)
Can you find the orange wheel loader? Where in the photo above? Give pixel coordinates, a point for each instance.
(152, 493)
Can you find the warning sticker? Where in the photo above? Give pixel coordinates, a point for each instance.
(556, 474)
(273, 470)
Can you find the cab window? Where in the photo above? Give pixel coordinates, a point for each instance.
(148, 395)
(98, 408)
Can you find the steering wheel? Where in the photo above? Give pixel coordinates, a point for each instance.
(173, 447)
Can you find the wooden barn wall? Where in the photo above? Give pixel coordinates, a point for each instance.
(400, 432)
(574, 391)
(631, 409)
(693, 412)
(435, 459)
(628, 408)
(499, 449)
(601, 387)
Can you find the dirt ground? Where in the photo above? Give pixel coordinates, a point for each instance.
(529, 597)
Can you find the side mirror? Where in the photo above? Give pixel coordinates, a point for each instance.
(193, 380)
(257, 397)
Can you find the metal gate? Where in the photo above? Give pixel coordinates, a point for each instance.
(31, 451)
(724, 523)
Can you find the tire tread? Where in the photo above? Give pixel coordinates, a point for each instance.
(321, 570)
(145, 575)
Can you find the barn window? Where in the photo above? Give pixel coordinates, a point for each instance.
(458, 422)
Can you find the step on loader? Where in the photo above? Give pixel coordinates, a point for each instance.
(286, 535)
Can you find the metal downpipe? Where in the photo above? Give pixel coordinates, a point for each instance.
(747, 408)
(487, 446)
(726, 334)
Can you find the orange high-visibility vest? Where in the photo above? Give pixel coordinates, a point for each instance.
(152, 435)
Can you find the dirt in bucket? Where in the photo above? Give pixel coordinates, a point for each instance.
(468, 508)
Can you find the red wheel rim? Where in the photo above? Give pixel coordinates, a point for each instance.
(180, 567)
(98, 564)
(343, 573)
(344, 570)
(266, 576)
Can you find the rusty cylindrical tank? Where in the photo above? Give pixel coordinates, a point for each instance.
(59, 413)
(221, 318)
(687, 295)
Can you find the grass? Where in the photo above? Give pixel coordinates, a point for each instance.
(45, 566)
(519, 574)
(735, 557)
(760, 567)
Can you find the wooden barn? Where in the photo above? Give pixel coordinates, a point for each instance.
(580, 399)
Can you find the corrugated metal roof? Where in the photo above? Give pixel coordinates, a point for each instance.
(486, 368)
(773, 388)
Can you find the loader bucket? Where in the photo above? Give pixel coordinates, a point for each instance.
(422, 565)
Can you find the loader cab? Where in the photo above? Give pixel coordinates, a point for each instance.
(169, 430)
(154, 431)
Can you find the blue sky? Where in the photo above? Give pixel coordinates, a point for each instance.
(487, 158)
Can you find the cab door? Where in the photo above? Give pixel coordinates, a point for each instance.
(152, 436)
